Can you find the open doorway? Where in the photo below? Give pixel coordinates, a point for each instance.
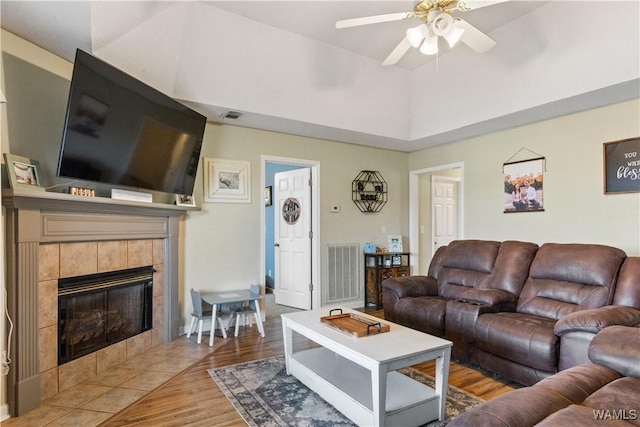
(436, 208)
(270, 166)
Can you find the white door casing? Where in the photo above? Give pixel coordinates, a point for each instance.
(292, 230)
(444, 207)
(418, 257)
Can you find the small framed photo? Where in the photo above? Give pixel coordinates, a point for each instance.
(23, 173)
(396, 260)
(227, 181)
(267, 195)
(182, 200)
(394, 243)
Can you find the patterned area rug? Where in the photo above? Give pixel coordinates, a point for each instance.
(265, 396)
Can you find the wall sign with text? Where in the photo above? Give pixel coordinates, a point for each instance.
(622, 166)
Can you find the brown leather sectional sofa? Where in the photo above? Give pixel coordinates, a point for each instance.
(605, 392)
(518, 309)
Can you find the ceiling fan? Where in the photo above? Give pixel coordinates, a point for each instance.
(438, 21)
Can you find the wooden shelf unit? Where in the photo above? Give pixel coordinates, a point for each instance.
(379, 266)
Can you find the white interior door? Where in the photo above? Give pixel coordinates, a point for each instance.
(444, 202)
(292, 232)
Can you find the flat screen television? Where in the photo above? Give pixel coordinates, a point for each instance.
(120, 131)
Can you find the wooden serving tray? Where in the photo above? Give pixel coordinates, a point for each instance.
(353, 324)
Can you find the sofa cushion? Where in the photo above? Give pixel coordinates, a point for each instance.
(565, 278)
(528, 340)
(576, 415)
(627, 289)
(617, 347)
(466, 264)
(538, 404)
(620, 396)
(425, 314)
(518, 408)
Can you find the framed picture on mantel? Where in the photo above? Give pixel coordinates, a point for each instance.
(23, 173)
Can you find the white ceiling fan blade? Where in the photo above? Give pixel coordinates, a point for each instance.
(398, 52)
(474, 38)
(376, 19)
(477, 4)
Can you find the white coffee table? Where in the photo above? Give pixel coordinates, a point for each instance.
(358, 375)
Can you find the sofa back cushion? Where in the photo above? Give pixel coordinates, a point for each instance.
(565, 278)
(512, 266)
(466, 264)
(628, 284)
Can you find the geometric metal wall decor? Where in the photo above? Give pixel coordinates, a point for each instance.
(369, 191)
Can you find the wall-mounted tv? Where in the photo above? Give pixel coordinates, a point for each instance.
(120, 131)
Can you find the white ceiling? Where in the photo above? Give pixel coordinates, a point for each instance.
(262, 58)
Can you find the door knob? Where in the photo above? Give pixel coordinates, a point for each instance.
(277, 245)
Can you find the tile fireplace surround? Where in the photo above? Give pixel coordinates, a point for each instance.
(52, 236)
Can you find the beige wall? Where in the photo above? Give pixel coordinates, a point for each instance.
(576, 208)
(222, 241)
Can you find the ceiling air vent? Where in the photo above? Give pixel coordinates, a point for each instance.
(231, 115)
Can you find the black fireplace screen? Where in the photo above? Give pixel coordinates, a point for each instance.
(99, 310)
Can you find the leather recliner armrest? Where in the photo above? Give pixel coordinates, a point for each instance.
(494, 297)
(411, 286)
(618, 348)
(596, 319)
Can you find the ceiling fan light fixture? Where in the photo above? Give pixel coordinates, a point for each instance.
(453, 36)
(430, 45)
(415, 35)
(442, 24)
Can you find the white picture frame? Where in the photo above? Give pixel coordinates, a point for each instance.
(183, 200)
(394, 243)
(23, 173)
(227, 181)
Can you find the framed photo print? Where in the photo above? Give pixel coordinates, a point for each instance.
(622, 166)
(23, 173)
(182, 200)
(227, 181)
(394, 243)
(267, 195)
(523, 186)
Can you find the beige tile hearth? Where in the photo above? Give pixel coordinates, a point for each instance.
(76, 396)
(113, 377)
(42, 416)
(147, 380)
(97, 398)
(80, 417)
(114, 400)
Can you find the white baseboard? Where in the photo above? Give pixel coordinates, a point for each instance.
(4, 412)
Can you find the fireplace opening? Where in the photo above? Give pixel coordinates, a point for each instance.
(98, 310)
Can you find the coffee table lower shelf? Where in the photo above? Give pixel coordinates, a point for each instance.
(347, 386)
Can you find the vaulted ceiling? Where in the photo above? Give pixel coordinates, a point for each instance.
(285, 66)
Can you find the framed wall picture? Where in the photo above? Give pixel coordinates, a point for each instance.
(523, 186)
(23, 173)
(622, 166)
(267, 195)
(394, 243)
(182, 200)
(227, 181)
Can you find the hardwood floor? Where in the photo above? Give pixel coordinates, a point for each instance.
(193, 398)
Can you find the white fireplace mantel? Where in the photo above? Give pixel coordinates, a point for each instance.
(35, 217)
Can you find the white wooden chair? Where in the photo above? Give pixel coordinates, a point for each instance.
(244, 313)
(201, 311)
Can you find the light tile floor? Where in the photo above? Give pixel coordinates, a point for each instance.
(98, 398)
